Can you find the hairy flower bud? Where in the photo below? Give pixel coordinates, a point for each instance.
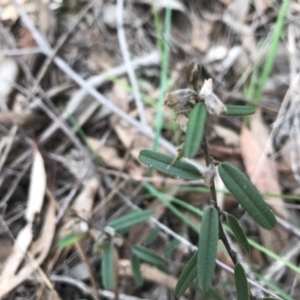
(213, 104)
(179, 98)
(193, 73)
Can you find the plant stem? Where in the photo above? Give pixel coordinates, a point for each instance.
(212, 188)
(213, 194)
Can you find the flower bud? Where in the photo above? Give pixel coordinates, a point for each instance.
(213, 104)
(179, 98)
(193, 73)
(206, 89)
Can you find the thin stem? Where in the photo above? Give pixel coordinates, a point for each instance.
(212, 188)
(213, 194)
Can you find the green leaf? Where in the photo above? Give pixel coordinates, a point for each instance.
(107, 266)
(211, 294)
(241, 283)
(171, 246)
(148, 255)
(272, 51)
(208, 242)
(238, 232)
(273, 287)
(195, 130)
(132, 218)
(239, 110)
(136, 269)
(162, 163)
(69, 240)
(187, 276)
(152, 236)
(247, 195)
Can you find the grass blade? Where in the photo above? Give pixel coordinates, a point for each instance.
(247, 195)
(132, 218)
(165, 59)
(269, 62)
(148, 255)
(171, 246)
(69, 240)
(136, 270)
(273, 286)
(152, 236)
(208, 242)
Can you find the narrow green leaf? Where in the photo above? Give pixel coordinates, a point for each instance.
(171, 246)
(269, 298)
(241, 283)
(162, 163)
(238, 232)
(208, 242)
(273, 287)
(247, 195)
(130, 219)
(271, 55)
(69, 240)
(239, 110)
(136, 269)
(195, 130)
(187, 276)
(165, 63)
(148, 255)
(172, 202)
(107, 266)
(211, 294)
(152, 236)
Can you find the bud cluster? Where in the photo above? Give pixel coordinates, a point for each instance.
(185, 98)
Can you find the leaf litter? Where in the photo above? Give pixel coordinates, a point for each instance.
(68, 183)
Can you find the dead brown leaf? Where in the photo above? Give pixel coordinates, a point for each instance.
(82, 207)
(128, 135)
(262, 169)
(230, 137)
(34, 205)
(109, 155)
(149, 273)
(239, 9)
(131, 139)
(36, 255)
(8, 74)
(253, 146)
(83, 204)
(37, 187)
(261, 6)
